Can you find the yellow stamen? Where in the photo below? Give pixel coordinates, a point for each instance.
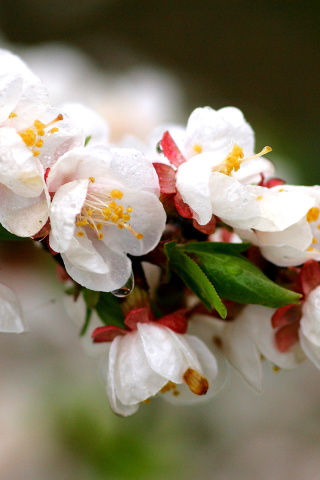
(234, 159)
(92, 179)
(12, 115)
(196, 382)
(314, 240)
(276, 369)
(36, 153)
(197, 148)
(54, 130)
(259, 197)
(80, 234)
(116, 194)
(313, 214)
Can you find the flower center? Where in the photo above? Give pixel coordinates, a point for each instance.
(101, 209)
(32, 136)
(234, 159)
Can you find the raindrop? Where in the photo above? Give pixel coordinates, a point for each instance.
(126, 289)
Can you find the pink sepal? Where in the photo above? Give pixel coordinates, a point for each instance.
(176, 321)
(309, 276)
(208, 228)
(287, 336)
(167, 178)
(182, 208)
(107, 333)
(286, 315)
(170, 150)
(138, 315)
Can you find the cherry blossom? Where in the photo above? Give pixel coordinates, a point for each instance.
(152, 357)
(33, 135)
(11, 320)
(105, 205)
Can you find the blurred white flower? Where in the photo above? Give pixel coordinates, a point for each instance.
(11, 320)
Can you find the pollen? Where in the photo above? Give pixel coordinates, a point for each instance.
(197, 148)
(313, 214)
(259, 197)
(116, 194)
(101, 209)
(235, 158)
(92, 179)
(31, 136)
(196, 382)
(12, 115)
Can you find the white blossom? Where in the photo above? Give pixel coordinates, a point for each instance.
(155, 359)
(11, 320)
(105, 205)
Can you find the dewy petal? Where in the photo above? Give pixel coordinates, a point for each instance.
(19, 170)
(167, 353)
(215, 130)
(135, 380)
(148, 217)
(111, 378)
(11, 86)
(11, 320)
(116, 265)
(192, 180)
(23, 216)
(79, 163)
(66, 205)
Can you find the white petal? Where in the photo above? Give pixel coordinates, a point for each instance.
(23, 216)
(135, 379)
(192, 180)
(111, 377)
(19, 170)
(66, 205)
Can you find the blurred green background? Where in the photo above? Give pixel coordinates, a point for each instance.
(262, 57)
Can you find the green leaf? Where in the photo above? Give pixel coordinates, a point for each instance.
(87, 140)
(213, 247)
(7, 236)
(192, 275)
(109, 310)
(237, 279)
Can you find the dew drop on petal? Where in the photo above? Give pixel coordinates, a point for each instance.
(126, 289)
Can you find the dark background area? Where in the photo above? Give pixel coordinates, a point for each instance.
(262, 57)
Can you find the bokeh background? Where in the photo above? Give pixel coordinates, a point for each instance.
(139, 64)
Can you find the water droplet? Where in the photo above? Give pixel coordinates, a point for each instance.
(126, 289)
(234, 269)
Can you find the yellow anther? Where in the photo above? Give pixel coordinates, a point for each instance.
(82, 223)
(126, 217)
(89, 212)
(120, 225)
(314, 240)
(39, 143)
(197, 148)
(116, 194)
(12, 115)
(39, 125)
(54, 130)
(276, 369)
(259, 197)
(41, 132)
(129, 209)
(196, 382)
(36, 153)
(139, 236)
(92, 179)
(91, 225)
(115, 218)
(106, 211)
(100, 236)
(80, 234)
(311, 249)
(99, 226)
(233, 161)
(112, 205)
(313, 214)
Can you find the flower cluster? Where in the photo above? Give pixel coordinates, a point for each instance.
(179, 258)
